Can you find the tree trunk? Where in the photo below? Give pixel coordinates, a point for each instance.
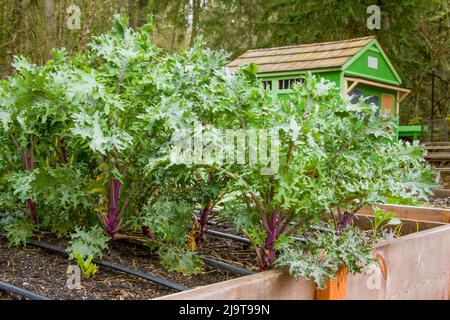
(50, 27)
(195, 17)
(176, 16)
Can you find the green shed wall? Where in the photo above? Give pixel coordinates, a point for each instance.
(360, 68)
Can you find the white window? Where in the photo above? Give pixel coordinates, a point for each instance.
(372, 62)
(267, 84)
(286, 84)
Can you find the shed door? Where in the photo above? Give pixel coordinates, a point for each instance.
(388, 103)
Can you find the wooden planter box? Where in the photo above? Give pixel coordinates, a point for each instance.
(417, 266)
(413, 212)
(414, 266)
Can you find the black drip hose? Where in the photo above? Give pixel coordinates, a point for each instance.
(227, 236)
(115, 266)
(21, 292)
(226, 266)
(167, 283)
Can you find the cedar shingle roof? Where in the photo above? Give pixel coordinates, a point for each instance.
(304, 56)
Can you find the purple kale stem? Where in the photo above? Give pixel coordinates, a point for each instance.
(148, 233)
(32, 210)
(349, 219)
(345, 220)
(205, 215)
(64, 157)
(111, 222)
(268, 251)
(27, 160)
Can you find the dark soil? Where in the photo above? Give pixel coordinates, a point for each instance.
(44, 273)
(229, 251)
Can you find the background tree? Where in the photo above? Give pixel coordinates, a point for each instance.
(414, 33)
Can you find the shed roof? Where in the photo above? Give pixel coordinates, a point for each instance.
(304, 56)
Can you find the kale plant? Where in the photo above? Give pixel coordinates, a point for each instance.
(335, 157)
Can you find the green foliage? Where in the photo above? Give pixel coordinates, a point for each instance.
(168, 220)
(88, 268)
(245, 221)
(87, 244)
(182, 261)
(381, 220)
(414, 33)
(90, 136)
(17, 226)
(61, 195)
(324, 252)
(406, 201)
(21, 184)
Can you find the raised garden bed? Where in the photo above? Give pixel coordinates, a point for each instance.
(408, 270)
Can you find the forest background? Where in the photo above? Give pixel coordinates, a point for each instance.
(415, 34)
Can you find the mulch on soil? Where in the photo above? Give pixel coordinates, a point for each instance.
(44, 272)
(440, 203)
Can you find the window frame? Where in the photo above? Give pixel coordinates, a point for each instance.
(286, 84)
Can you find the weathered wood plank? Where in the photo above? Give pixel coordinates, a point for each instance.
(417, 267)
(267, 285)
(436, 144)
(441, 193)
(438, 156)
(444, 147)
(428, 214)
(408, 226)
(414, 266)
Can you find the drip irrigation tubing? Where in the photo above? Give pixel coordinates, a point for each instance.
(167, 283)
(115, 266)
(215, 263)
(227, 236)
(21, 292)
(234, 237)
(226, 266)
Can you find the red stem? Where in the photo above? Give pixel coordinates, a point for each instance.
(205, 215)
(268, 251)
(111, 223)
(63, 155)
(32, 210)
(28, 164)
(148, 233)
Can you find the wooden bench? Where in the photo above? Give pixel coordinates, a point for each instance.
(437, 148)
(439, 170)
(438, 156)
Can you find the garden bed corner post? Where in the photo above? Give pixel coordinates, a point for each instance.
(336, 289)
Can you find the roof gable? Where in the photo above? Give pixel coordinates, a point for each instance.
(372, 63)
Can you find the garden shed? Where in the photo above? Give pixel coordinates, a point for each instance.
(358, 66)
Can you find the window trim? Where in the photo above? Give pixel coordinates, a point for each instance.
(285, 84)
